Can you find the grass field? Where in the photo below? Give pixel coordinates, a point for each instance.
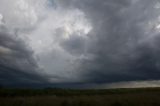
(66, 97)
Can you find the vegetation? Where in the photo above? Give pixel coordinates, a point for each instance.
(67, 97)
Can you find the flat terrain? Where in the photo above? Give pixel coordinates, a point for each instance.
(66, 97)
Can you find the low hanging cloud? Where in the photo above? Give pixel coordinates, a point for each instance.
(79, 42)
(45, 32)
(126, 45)
(17, 66)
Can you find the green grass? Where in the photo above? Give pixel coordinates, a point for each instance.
(66, 97)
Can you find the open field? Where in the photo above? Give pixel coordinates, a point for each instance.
(66, 97)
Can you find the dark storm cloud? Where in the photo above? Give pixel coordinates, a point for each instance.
(16, 62)
(124, 43)
(74, 45)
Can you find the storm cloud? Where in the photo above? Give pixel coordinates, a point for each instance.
(79, 41)
(123, 41)
(17, 66)
(126, 45)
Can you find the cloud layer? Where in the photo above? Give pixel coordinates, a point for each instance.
(79, 42)
(16, 61)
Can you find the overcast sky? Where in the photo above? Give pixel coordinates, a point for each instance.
(82, 43)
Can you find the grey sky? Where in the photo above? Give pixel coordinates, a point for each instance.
(79, 41)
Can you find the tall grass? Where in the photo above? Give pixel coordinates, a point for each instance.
(60, 97)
